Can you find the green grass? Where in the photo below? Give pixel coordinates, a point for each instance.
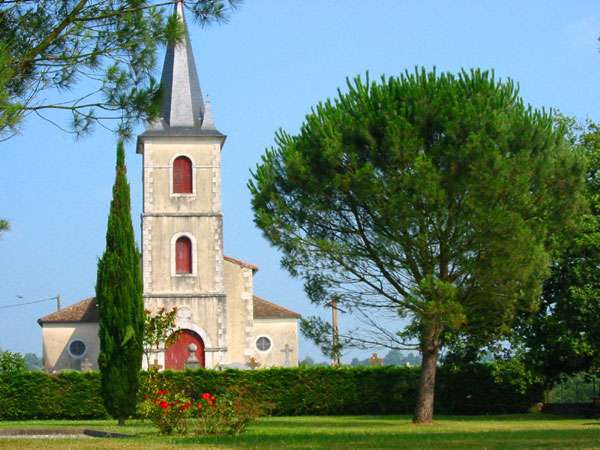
(345, 432)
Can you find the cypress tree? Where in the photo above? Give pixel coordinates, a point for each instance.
(120, 302)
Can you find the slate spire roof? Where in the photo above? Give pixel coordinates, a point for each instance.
(183, 110)
(182, 102)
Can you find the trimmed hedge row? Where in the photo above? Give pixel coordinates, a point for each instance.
(37, 395)
(302, 391)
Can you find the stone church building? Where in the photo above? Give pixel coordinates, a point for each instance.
(182, 249)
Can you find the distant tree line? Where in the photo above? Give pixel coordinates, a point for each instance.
(392, 358)
(13, 362)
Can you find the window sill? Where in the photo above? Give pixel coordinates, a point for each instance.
(181, 195)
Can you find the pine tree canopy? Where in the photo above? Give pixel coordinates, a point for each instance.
(429, 196)
(109, 47)
(120, 302)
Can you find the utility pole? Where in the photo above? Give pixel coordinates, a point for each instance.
(58, 302)
(335, 335)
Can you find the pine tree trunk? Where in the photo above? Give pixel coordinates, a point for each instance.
(425, 400)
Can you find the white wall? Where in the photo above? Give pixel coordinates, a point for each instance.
(56, 338)
(281, 332)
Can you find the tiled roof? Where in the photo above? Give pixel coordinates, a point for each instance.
(264, 309)
(87, 311)
(82, 311)
(239, 262)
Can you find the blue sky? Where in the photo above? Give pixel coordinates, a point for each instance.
(262, 71)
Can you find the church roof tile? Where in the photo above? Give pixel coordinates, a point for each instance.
(82, 311)
(239, 262)
(264, 309)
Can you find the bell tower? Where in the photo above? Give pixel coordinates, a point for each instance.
(182, 222)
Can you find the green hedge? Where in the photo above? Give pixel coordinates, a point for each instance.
(37, 395)
(304, 391)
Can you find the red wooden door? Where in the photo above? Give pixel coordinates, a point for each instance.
(178, 352)
(183, 255)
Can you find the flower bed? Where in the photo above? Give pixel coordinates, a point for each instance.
(172, 412)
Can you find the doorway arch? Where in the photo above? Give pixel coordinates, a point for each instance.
(178, 352)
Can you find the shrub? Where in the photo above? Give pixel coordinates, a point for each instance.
(12, 363)
(172, 412)
(38, 395)
(476, 389)
(230, 413)
(167, 410)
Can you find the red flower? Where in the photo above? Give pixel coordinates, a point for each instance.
(209, 398)
(199, 405)
(162, 392)
(186, 406)
(163, 404)
(145, 396)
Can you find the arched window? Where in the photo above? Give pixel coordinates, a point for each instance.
(182, 175)
(183, 255)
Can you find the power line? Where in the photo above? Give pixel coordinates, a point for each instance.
(14, 305)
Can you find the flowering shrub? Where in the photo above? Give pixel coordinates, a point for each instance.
(167, 410)
(230, 413)
(234, 411)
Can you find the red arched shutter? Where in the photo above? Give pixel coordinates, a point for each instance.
(183, 255)
(182, 175)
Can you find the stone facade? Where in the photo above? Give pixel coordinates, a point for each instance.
(197, 215)
(215, 299)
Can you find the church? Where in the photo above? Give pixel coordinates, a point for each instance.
(183, 264)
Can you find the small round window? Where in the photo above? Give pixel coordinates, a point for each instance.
(77, 348)
(263, 344)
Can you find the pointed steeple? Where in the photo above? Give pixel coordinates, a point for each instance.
(183, 111)
(182, 102)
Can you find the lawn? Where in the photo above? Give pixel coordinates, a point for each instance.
(346, 432)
